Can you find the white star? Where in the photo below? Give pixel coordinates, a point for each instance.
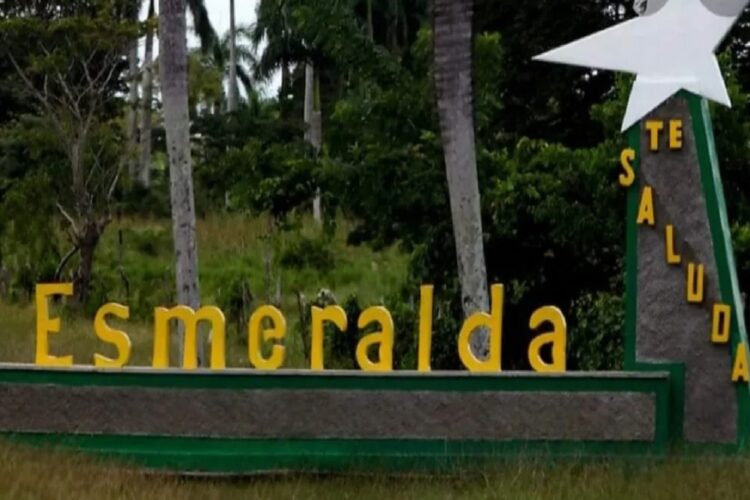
(670, 50)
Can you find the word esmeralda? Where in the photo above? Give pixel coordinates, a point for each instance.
(267, 330)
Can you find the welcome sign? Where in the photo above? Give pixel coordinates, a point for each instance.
(274, 332)
(685, 384)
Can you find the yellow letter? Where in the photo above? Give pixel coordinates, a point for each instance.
(672, 257)
(492, 322)
(276, 332)
(654, 127)
(740, 372)
(119, 338)
(646, 211)
(383, 338)
(722, 321)
(190, 320)
(335, 315)
(695, 283)
(558, 337)
(626, 160)
(425, 328)
(675, 134)
(46, 325)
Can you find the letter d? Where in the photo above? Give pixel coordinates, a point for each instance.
(491, 322)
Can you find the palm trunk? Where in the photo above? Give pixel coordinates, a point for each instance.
(144, 173)
(313, 126)
(88, 241)
(284, 90)
(370, 24)
(309, 107)
(453, 82)
(173, 67)
(234, 91)
(133, 108)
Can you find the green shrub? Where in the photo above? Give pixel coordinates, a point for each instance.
(596, 340)
(311, 253)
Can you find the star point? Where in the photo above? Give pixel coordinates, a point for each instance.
(669, 49)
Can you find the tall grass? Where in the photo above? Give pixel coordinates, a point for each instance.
(134, 266)
(27, 473)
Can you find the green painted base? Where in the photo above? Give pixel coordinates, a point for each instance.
(247, 455)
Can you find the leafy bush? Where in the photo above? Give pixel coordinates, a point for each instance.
(596, 339)
(312, 253)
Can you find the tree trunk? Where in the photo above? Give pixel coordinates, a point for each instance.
(370, 23)
(313, 126)
(453, 82)
(284, 90)
(234, 91)
(309, 99)
(133, 108)
(144, 174)
(88, 241)
(173, 70)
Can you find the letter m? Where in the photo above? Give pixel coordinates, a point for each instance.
(190, 320)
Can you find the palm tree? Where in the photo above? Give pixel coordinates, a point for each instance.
(313, 124)
(174, 87)
(140, 169)
(282, 46)
(131, 12)
(202, 24)
(239, 71)
(234, 91)
(143, 176)
(453, 84)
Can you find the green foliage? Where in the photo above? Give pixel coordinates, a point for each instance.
(29, 255)
(312, 253)
(596, 341)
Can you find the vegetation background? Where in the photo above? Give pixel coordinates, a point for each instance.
(335, 189)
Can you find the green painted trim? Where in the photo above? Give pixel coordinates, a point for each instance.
(395, 381)
(243, 456)
(722, 242)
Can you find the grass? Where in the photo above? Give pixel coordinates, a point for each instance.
(29, 473)
(232, 251)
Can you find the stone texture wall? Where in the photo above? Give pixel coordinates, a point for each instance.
(668, 329)
(323, 413)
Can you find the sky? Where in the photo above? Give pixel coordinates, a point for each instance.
(218, 12)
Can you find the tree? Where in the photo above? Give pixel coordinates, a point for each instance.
(173, 69)
(70, 66)
(313, 125)
(143, 176)
(282, 45)
(234, 91)
(453, 84)
(202, 24)
(244, 60)
(132, 8)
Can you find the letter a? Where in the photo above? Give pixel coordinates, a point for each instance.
(558, 337)
(383, 339)
(493, 323)
(740, 372)
(646, 210)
